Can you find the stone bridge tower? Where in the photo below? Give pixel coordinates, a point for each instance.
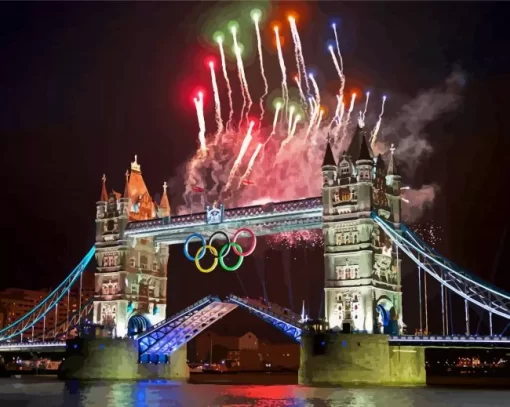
(130, 280)
(362, 270)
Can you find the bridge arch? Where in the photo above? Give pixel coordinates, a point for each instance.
(138, 323)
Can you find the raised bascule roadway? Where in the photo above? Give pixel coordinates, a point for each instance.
(364, 240)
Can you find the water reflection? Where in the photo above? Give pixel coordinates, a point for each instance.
(154, 393)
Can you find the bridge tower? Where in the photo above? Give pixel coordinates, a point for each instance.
(130, 280)
(362, 270)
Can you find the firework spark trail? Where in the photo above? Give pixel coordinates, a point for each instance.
(366, 105)
(285, 90)
(321, 114)
(337, 112)
(316, 90)
(312, 121)
(275, 121)
(227, 81)
(251, 163)
(335, 62)
(217, 104)
(341, 62)
(373, 137)
(338, 126)
(247, 101)
(311, 101)
(256, 19)
(199, 104)
(291, 114)
(301, 94)
(293, 131)
(242, 152)
(348, 118)
(299, 48)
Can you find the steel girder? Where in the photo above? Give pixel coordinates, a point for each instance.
(189, 328)
(466, 285)
(48, 304)
(288, 322)
(168, 337)
(150, 338)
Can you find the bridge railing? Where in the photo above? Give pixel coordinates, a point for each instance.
(451, 338)
(204, 301)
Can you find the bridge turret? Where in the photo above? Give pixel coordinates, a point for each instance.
(101, 204)
(164, 209)
(364, 170)
(362, 283)
(394, 184)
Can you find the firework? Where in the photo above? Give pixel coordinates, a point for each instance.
(429, 232)
(302, 238)
(282, 155)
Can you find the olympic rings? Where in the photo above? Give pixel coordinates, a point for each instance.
(213, 237)
(186, 245)
(253, 245)
(239, 260)
(201, 251)
(223, 252)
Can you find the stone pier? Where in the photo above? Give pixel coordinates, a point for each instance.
(351, 359)
(117, 359)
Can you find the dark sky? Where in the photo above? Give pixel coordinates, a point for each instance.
(85, 86)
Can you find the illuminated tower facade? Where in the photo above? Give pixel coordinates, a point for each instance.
(131, 276)
(362, 270)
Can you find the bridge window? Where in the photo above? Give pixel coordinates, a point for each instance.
(336, 197)
(355, 238)
(348, 239)
(134, 288)
(132, 262)
(354, 194)
(155, 266)
(144, 262)
(345, 194)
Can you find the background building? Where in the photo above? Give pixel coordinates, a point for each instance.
(16, 302)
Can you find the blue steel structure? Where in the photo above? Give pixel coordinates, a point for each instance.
(472, 289)
(282, 319)
(18, 327)
(165, 337)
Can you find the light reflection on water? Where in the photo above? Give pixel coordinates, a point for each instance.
(48, 393)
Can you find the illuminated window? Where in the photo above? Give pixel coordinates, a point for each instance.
(339, 241)
(144, 262)
(155, 266)
(336, 197)
(345, 194)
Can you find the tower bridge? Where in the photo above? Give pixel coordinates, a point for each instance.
(364, 242)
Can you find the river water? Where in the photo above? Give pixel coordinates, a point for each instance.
(31, 392)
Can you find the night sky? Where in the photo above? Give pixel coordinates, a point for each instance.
(85, 86)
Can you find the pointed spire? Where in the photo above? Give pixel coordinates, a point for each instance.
(135, 166)
(359, 149)
(164, 205)
(392, 165)
(329, 158)
(364, 152)
(126, 186)
(104, 194)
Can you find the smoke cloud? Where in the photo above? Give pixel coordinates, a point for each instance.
(408, 129)
(419, 200)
